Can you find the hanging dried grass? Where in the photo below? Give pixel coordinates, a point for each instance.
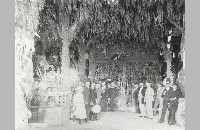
(26, 22)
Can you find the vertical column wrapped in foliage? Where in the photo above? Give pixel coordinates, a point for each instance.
(26, 22)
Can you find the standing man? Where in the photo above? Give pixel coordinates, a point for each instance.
(98, 100)
(112, 95)
(149, 97)
(158, 100)
(174, 104)
(104, 100)
(166, 95)
(87, 99)
(99, 91)
(141, 96)
(135, 98)
(93, 97)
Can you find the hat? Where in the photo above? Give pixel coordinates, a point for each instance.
(148, 83)
(109, 79)
(103, 88)
(168, 80)
(143, 79)
(141, 83)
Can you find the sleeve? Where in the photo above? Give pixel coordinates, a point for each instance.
(95, 94)
(108, 93)
(89, 100)
(152, 92)
(179, 94)
(163, 93)
(144, 91)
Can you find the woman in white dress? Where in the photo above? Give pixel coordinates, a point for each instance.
(80, 112)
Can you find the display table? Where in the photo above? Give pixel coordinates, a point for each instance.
(52, 115)
(55, 115)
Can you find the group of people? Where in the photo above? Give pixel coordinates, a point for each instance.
(149, 102)
(90, 98)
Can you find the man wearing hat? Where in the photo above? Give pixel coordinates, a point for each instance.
(135, 97)
(166, 95)
(158, 100)
(104, 101)
(149, 97)
(87, 99)
(141, 96)
(93, 96)
(174, 104)
(112, 95)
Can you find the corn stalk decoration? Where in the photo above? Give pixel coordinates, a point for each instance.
(26, 21)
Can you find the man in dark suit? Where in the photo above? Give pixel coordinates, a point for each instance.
(112, 94)
(166, 95)
(87, 99)
(174, 104)
(135, 98)
(141, 99)
(93, 102)
(104, 100)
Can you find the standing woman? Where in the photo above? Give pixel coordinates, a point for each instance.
(80, 112)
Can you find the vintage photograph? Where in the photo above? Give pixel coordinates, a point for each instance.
(100, 64)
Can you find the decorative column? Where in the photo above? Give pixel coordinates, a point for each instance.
(168, 60)
(167, 55)
(181, 74)
(123, 91)
(180, 114)
(26, 22)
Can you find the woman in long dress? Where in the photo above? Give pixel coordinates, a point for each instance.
(80, 112)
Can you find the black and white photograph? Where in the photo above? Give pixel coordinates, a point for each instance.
(100, 65)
